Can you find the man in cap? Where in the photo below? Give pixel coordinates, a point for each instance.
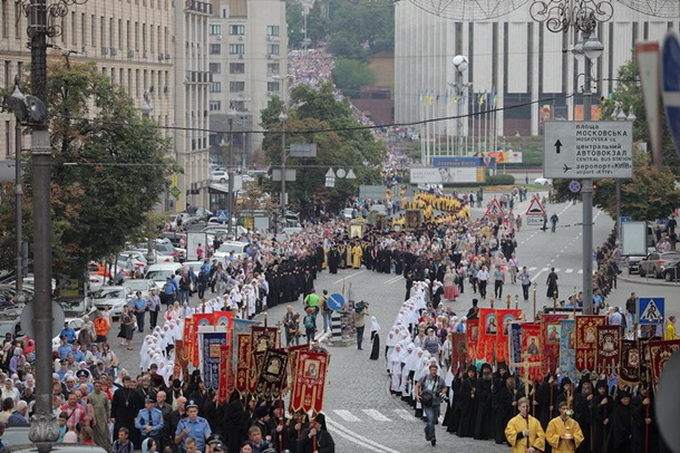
(194, 427)
(83, 376)
(149, 421)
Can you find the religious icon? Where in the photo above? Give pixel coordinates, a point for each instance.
(274, 366)
(589, 337)
(203, 322)
(633, 358)
(507, 320)
(553, 333)
(532, 348)
(262, 344)
(608, 345)
(312, 371)
(570, 340)
(223, 321)
(475, 333)
(491, 327)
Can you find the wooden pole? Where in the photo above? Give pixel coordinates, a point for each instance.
(508, 300)
(535, 288)
(555, 302)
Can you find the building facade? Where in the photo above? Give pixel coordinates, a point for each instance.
(248, 42)
(516, 66)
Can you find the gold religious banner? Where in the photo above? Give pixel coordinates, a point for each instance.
(242, 361)
(586, 341)
(608, 339)
(413, 218)
(272, 374)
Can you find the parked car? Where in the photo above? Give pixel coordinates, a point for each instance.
(671, 273)
(114, 297)
(655, 263)
(543, 181)
(159, 272)
(140, 284)
(219, 176)
(227, 247)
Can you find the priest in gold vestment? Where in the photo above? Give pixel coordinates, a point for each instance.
(524, 432)
(563, 433)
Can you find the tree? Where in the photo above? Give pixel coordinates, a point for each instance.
(295, 23)
(350, 75)
(109, 172)
(322, 119)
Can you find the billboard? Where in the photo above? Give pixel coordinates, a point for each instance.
(448, 175)
(463, 161)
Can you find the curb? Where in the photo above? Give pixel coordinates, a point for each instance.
(648, 282)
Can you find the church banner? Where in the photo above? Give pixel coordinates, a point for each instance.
(199, 320)
(531, 351)
(210, 357)
(242, 361)
(226, 373)
(241, 326)
(223, 319)
(607, 357)
(629, 368)
(550, 341)
(190, 339)
(472, 336)
(567, 361)
(292, 362)
(271, 380)
(488, 332)
(586, 341)
(310, 382)
(264, 337)
(515, 345)
(506, 318)
(256, 364)
(458, 351)
(660, 352)
(181, 365)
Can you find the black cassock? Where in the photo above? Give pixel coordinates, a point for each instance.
(125, 405)
(484, 416)
(503, 410)
(468, 408)
(621, 429)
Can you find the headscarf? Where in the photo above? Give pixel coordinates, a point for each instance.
(146, 444)
(375, 327)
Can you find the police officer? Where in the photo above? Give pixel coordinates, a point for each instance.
(193, 426)
(149, 421)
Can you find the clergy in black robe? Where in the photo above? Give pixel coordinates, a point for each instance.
(566, 394)
(468, 408)
(452, 415)
(602, 407)
(545, 395)
(583, 412)
(125, 405)
(233, 414)
(333, 259)
(483, 419)
(621, 424)
(503, 402)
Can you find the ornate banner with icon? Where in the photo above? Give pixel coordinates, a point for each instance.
(607, 357)
(567, 349)
(586, 341)
(488, 332)
(210, 357)
(310, 382)
(531, 351)
(472, 336)
(459, 352)
(550, 340)
(223, 319)
(273, 374)
(242, 361)
(226, 373)
(506, 318)
(629, 363)
(659, 353)
(199, 320)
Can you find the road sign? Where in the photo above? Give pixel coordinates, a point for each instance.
(534, 220)
(588, 149)
(494, 209)
(670, 66)
(28, 314)
(175, 191)
(303, 149)
(575, 186)
(651, 310)
(290, 174)
(223, 215)
(535, 208)
(336, 301)
(624, 219)
(372, 192)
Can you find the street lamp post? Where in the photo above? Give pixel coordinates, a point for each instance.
(231, 114)
(17, 98)
(146, 110)
(583, 16)
(283, 117)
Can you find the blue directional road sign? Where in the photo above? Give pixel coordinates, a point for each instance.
(223, 216)
(651, 310)
(336, 301)
(625, 219)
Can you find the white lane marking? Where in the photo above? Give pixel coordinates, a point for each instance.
(356, 438)
(375, 415)
(531, 269)
(348, 277)
(557, 270)
(580, 271)
(392, 280)
(404, 414)
(569, 271)
(346, 415)
(538, 273)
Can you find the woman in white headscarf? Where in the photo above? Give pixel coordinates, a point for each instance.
(390, 343)
(395, 369)
(407, 355)
(375, 339)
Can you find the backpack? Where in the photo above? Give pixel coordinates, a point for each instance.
(308, 322)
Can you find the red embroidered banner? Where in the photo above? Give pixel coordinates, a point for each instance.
(505, 318)
(226, 373)
(190, 339)
(292, 363)
(242, 361)
(550, 341)
(472, 337)
(256, 364)
(310, 382)
(586, 341)
(659, 353)
(264, 338)
(459, 354)
(488, 333)
(181, 365)
(224, 318)
(629, 368)
(199, 320)
(607, 357)
(531, 351)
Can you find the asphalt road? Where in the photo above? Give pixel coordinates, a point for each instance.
(362, 415)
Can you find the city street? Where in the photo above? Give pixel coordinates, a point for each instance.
(361, 413)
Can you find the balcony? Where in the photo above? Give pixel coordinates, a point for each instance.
(198, 6)
(198, 77)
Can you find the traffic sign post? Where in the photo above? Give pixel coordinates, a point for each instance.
(588, 149)
(535, 208)
(336, 301)
(651, 310)
(575, 187)
(223, 216)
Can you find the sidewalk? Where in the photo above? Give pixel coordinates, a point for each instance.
(636, 279)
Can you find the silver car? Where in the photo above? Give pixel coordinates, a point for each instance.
(656, 262)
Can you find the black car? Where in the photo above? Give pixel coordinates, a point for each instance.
(671, 273)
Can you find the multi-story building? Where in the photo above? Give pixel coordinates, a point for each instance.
(530, 73)
(249, 64)
(131, 41)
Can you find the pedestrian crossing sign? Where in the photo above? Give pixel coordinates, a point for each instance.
(651, 310)
(494, 209)
(223, 216)
(535, 208)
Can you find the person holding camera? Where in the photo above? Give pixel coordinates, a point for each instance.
(430, 392)
(358, 316)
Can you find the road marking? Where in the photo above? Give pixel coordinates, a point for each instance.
(557, 269)
(539, 273)
(376, 415)
(346, 415)
(394, 280)
(569, 271)
(356, 438)
(531, 269)
(349, 276)
(580, 271)
(404, 414)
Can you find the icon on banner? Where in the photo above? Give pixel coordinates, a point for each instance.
(494, 209)
(535, 208)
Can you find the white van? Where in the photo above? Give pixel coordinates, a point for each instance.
(238, 247)
(159, 272)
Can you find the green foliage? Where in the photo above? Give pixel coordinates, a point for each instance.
(317, 24)
(350, 75)
(109, 171)
(296, 25)
(500, 180)
(319, 110)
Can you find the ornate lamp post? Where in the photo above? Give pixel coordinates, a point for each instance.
(283, 117)
(460, 65)
(146, 110)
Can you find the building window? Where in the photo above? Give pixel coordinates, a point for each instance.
(216, 87)
(215, 106)
(237, 68)
(273, 68)
(215, 29)
(215, 49)
(215, 68)
(273, 49)
(272, 86)
(239, 106)
(237, 49)
(237, 30)
(237, 86)
(272, 30)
